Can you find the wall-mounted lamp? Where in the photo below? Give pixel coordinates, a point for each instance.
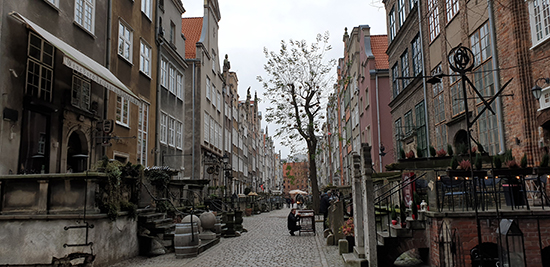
(537, 90)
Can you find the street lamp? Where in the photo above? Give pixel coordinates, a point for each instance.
(537, 90)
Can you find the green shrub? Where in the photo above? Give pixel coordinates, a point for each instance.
(544, 161)
(478, 162)
(454, 163)
(523, 162)
(433, 153)
(497, 161)
(402, 154)
(450, 150)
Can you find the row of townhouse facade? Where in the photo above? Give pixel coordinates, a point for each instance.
(130, 80)
(358, 108)
(508, 40)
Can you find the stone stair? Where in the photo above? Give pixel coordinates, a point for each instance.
(155, 225)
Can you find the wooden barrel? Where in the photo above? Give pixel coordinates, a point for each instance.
(186, 240)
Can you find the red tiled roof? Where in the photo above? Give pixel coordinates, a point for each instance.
(191, 29)
(379, 45)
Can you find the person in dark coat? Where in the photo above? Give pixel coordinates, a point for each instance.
(323, 207)
(292, 220)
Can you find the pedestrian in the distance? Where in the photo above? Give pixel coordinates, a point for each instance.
(292, 220)
(288, 202)
(323, 207)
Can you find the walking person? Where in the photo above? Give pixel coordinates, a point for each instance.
(292, 220)
(323, 207)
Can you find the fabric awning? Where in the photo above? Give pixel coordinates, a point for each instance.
(81, 63)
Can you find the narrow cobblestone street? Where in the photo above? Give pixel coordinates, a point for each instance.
(267, 243)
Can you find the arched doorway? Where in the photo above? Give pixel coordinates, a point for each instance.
(77, 152)
(461, 141)
(488, 252)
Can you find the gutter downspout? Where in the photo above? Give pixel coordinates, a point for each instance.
(107, 65)
(378, 120)
(160, 43)
(194, 121)
(496, 76)
(424, 77)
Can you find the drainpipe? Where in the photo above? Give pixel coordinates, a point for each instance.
(107, 65)
(496, 75)
(378, 120)
(194, 121)
(158, 162)
(423, 78)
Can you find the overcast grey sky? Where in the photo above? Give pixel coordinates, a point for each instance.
(247, 26)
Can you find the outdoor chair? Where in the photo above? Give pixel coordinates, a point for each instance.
(454, 191)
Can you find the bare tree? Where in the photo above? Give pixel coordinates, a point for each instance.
(297, 90)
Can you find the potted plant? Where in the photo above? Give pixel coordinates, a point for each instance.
(450, 150)
(348, 231)
(441, 153)
(393, 215)
(433, 152)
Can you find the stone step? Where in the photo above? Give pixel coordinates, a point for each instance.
(351, 259)
(149, 217)
(159, 222)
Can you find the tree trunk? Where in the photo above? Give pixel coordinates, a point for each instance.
(314, 182)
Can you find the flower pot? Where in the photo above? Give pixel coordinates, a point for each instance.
(413, 216)
(393, 222)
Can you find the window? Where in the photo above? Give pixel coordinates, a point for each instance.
(80, 96)
(433, 19)
(179, 135)
(122, 110)
(412, 3)
(179, 85)
(172, 80)
(409, 126)
(219, 96)
(439, 101)
(39, 68)
(172, 33)
(208, 89)
(398, 136)
(405, 69)
(488, 130)
(164, 73)
(484, 80)
(143, 125)
(391, 20)
(206, 127)
(452, 9)
(84, 11)
(421, 143)
(171, 131)
(213, 61)
(456, 99)
(441, 136)
(41, 149)
(417, 56)
(125, 41)
(539, 15)
(145, 58)
(146, 7)
(401, 11)
(212, 131)
(163, 127)
(395, 84)
(481, 46)
(53, 2)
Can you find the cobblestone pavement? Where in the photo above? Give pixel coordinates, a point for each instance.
(267, 243)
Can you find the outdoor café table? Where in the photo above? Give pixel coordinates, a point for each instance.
(307, 221)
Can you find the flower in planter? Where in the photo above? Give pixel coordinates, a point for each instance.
(441, 153)
(410, 154)
(465, 164)
(347, 228)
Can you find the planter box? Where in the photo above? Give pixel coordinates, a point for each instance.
(463, 173)
(513, 172)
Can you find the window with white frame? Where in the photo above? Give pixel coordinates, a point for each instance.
(145, 58)
(208, 88)
(539, 16)
(212, 131)
(488, 130)
(402, 12)
(147, 8)
(452, 9)
(179, 85)
(235, 137)
(213, 61)
(457, 101)
(219, 95)
(39, 68)
(80, 96)
(171, 131)
(416, 56)
(391, 22)
(405, 69)
(164, 73)
(179, 135)
(125, 41)
(172, 80)
(53, 2)
(216, 135)
(206, 127)
(172, 32)
(143, 124)
(220, 138)
(163, 127)
(122, 110)
(481, 44)
(433, 19)
(398, 136)
(84, 14)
